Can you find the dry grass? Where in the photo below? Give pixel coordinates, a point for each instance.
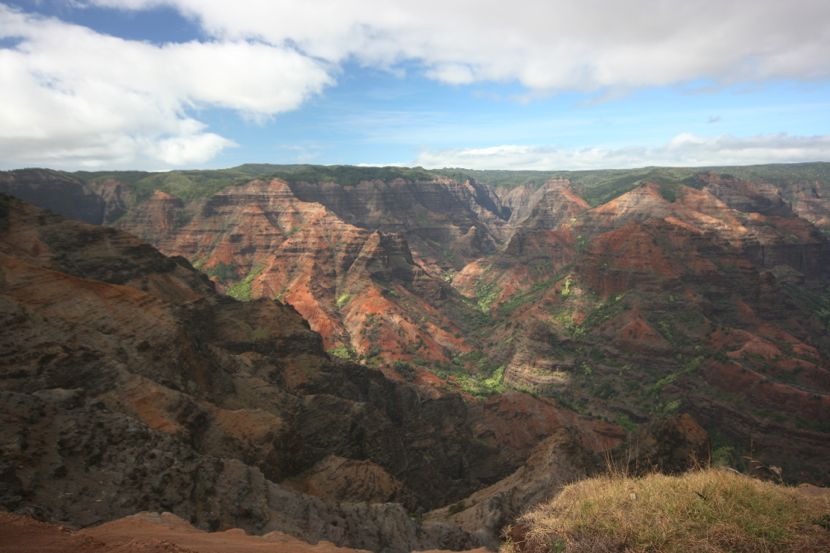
(705, 511)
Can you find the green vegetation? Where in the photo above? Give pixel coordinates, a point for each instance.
(189, 185)
(816, 302)
(651, 394)
(596, 187)
(710, 510)
(486, 294)
(242, 289)
(259, 334)
(533, 294)
(627, 423)
(723, 456)
(496, 381)
(603, 312)
(816, 425)
(347, 175)
(221, 271)
(566, 288)
(669, 190)
(667, 330)
(342, 352)
(456, 508)
(600, 186)
(481, 388)
(672, 406)
(343, 299)
(405, 370)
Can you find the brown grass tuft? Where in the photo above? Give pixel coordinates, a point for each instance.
(707, 511)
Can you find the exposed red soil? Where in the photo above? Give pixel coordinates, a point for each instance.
(760, 390)
(518, 421)
(150, 533)
(638, 335)
(144, 533)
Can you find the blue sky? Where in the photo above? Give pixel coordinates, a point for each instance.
(157, 84)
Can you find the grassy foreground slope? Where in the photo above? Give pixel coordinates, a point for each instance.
(711, 510)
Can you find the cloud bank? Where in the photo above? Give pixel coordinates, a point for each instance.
(74, 97)
(546, 45)
(684, 150)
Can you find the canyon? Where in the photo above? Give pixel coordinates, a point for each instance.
(395, 359)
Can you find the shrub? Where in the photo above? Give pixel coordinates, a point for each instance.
(342, 352)
(242, 290)
(456, 508)
(343, 299)
(405, 370)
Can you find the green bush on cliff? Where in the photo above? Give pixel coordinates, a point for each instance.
(486, 294)
(495, 384)
(482, 387)
(343, 299)
(342, 352)
(221, 271)
(405, 370)
(242, 289)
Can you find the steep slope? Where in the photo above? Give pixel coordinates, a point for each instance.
(808, 198)
(447, 222)
(129, 384)
(102, 202)
(668, 299)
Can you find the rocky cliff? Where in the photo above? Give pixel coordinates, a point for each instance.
(100, 203)
(129, 384)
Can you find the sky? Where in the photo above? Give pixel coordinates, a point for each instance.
(483, 84)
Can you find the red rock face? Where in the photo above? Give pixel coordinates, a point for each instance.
(446, 222)
(157, 218)
(358, 288)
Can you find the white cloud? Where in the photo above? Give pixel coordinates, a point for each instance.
(685, 149)
(72, 97)
(546, 45)
(75, 97)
